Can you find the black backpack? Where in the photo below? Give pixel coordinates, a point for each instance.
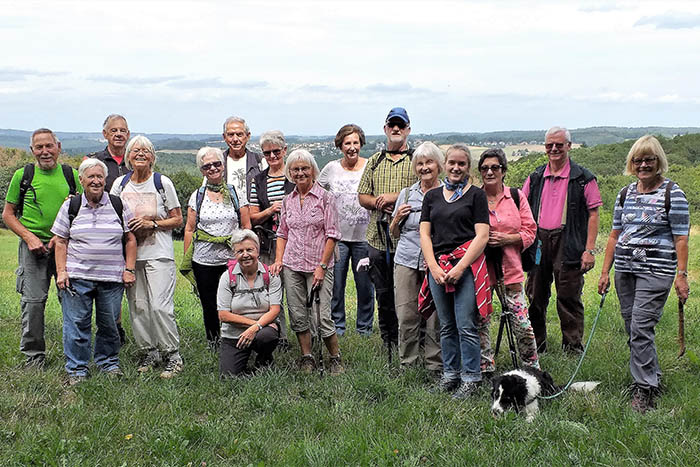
(26, 184)
(667, 196)
(382, 156)
(527, 256)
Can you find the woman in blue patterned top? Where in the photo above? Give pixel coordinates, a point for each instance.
(649, 245)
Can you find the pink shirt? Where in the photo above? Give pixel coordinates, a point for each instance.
(507, 218)
(307, 227)
(553, 197)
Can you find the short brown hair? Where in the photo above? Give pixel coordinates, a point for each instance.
(347, 130)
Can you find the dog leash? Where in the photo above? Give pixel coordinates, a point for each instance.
(583, 355)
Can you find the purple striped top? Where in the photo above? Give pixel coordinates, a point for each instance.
(94, 240)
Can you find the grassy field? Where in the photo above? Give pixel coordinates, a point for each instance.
(375, 414)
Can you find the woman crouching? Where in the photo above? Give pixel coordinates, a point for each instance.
(249, 299)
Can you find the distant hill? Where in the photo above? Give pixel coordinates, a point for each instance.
(84, 142)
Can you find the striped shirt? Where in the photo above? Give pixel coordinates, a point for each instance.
(388, 177)
(275, 190)
(94, 240)
(307, 227)
(646, 243)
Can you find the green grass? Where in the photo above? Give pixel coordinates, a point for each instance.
(374, 414)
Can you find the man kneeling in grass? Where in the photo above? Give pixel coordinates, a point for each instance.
(248, 299)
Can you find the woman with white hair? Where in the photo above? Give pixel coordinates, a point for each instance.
(214, 212)
(409, 264)
(648, 245)
(249, 301)
(89, 226)
(305, 242)
(152, 199)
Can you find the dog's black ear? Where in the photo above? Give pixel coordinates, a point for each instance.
(548, 386)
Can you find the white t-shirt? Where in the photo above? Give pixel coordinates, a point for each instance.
(235, 175)
(219, 220)
(144, 200)
(352, 218)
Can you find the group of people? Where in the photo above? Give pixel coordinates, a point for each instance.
(262, 226)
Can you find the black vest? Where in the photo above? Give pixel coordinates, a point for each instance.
(114, 170)
(576, 229)
(265, 236)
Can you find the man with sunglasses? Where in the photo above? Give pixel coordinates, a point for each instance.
(564, 198)
(386, 173)
(241, 164)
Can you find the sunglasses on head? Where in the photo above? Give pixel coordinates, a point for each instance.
(216, 164)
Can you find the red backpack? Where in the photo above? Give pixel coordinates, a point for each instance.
(233, 279)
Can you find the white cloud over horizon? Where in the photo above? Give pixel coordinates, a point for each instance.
(308, 67)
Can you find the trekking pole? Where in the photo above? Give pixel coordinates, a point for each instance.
(315, 302)
(505, 323)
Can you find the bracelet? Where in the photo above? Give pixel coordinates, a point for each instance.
(591, 252)
(132, 271)
(259, 326)
(681, 272)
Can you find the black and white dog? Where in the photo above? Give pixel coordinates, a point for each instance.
(519, 389)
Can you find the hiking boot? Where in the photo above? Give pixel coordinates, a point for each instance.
(466, 389)
(147, 362)
(447, 384)
(115, 373)
(37, 362)
(74, 380)
(122, 334)
(307, 364)
(641, 400)
(173, 366)
(335, 365)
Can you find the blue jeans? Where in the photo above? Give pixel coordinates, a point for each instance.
(77, 321)
(363, 284)
(459, 338)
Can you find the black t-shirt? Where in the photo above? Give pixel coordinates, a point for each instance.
(452, 224)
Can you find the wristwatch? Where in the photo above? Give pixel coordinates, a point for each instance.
(591, 252)
(155, 225)
(682, 273)
(324, 266)
(132, 271)
(259, 327)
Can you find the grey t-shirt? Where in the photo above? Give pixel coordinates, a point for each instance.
(249, 304)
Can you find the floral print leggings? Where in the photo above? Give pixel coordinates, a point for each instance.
(522, 329)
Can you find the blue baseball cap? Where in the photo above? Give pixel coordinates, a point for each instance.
(398, 112)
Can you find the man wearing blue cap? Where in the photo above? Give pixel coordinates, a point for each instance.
(386, 173)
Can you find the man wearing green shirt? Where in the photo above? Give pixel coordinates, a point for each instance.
(47, 192)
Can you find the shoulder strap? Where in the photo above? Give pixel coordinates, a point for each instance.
(266, 276)
(74, 208)
(198, 202)
(24, 184)
(236, 203)
(158, 182)
(515, 195)
(231, 276)
(379, 159)
(70, 178)
(118, 208)
(125, 180)
(667, 196)
(623, 196)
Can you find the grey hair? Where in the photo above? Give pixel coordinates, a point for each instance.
(558, 129)
(111, 117)
(274, 137)
(300, 155)
(43, 131)
(205, 151)
(232, 119)
(430, 151)
(141, 141)
(89, 163)
(240, 235)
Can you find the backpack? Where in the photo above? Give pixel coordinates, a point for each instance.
(26, 184)
(157, 181)
(382, 156)
(527, 256)
(76, 202)
(234, 199)
(667, 196)
(233, 279)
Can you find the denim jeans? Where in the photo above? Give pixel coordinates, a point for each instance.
(77, 322)
(363, 285)
(459, 338)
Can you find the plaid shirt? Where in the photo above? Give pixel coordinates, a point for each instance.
(389, 177)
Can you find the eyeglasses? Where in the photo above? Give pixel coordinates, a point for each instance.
(493, 168)
(215, 164)
(398, 122)
(551, 145)
(646, 160)
(300, 169)
(140, 151)
(269, 153)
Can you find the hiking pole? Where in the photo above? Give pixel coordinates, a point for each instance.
(681, 328)
(505, 323)
(315, 302)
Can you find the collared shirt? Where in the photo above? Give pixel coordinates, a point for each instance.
(506, 218)
(408, 251)
(554, 193)
(251, 304)
(388, 177)
(307, 227)
(94, 240)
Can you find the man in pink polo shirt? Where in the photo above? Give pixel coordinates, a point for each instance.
(564, 198)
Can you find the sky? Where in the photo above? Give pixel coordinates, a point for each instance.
(309, 67)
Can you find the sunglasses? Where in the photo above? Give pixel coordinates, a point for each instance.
(216, 164)
(269, 153)
(493, 168)
(646, 160)
(551, 145)
(399, 123)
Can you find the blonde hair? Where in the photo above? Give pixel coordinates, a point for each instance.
(647, 145)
